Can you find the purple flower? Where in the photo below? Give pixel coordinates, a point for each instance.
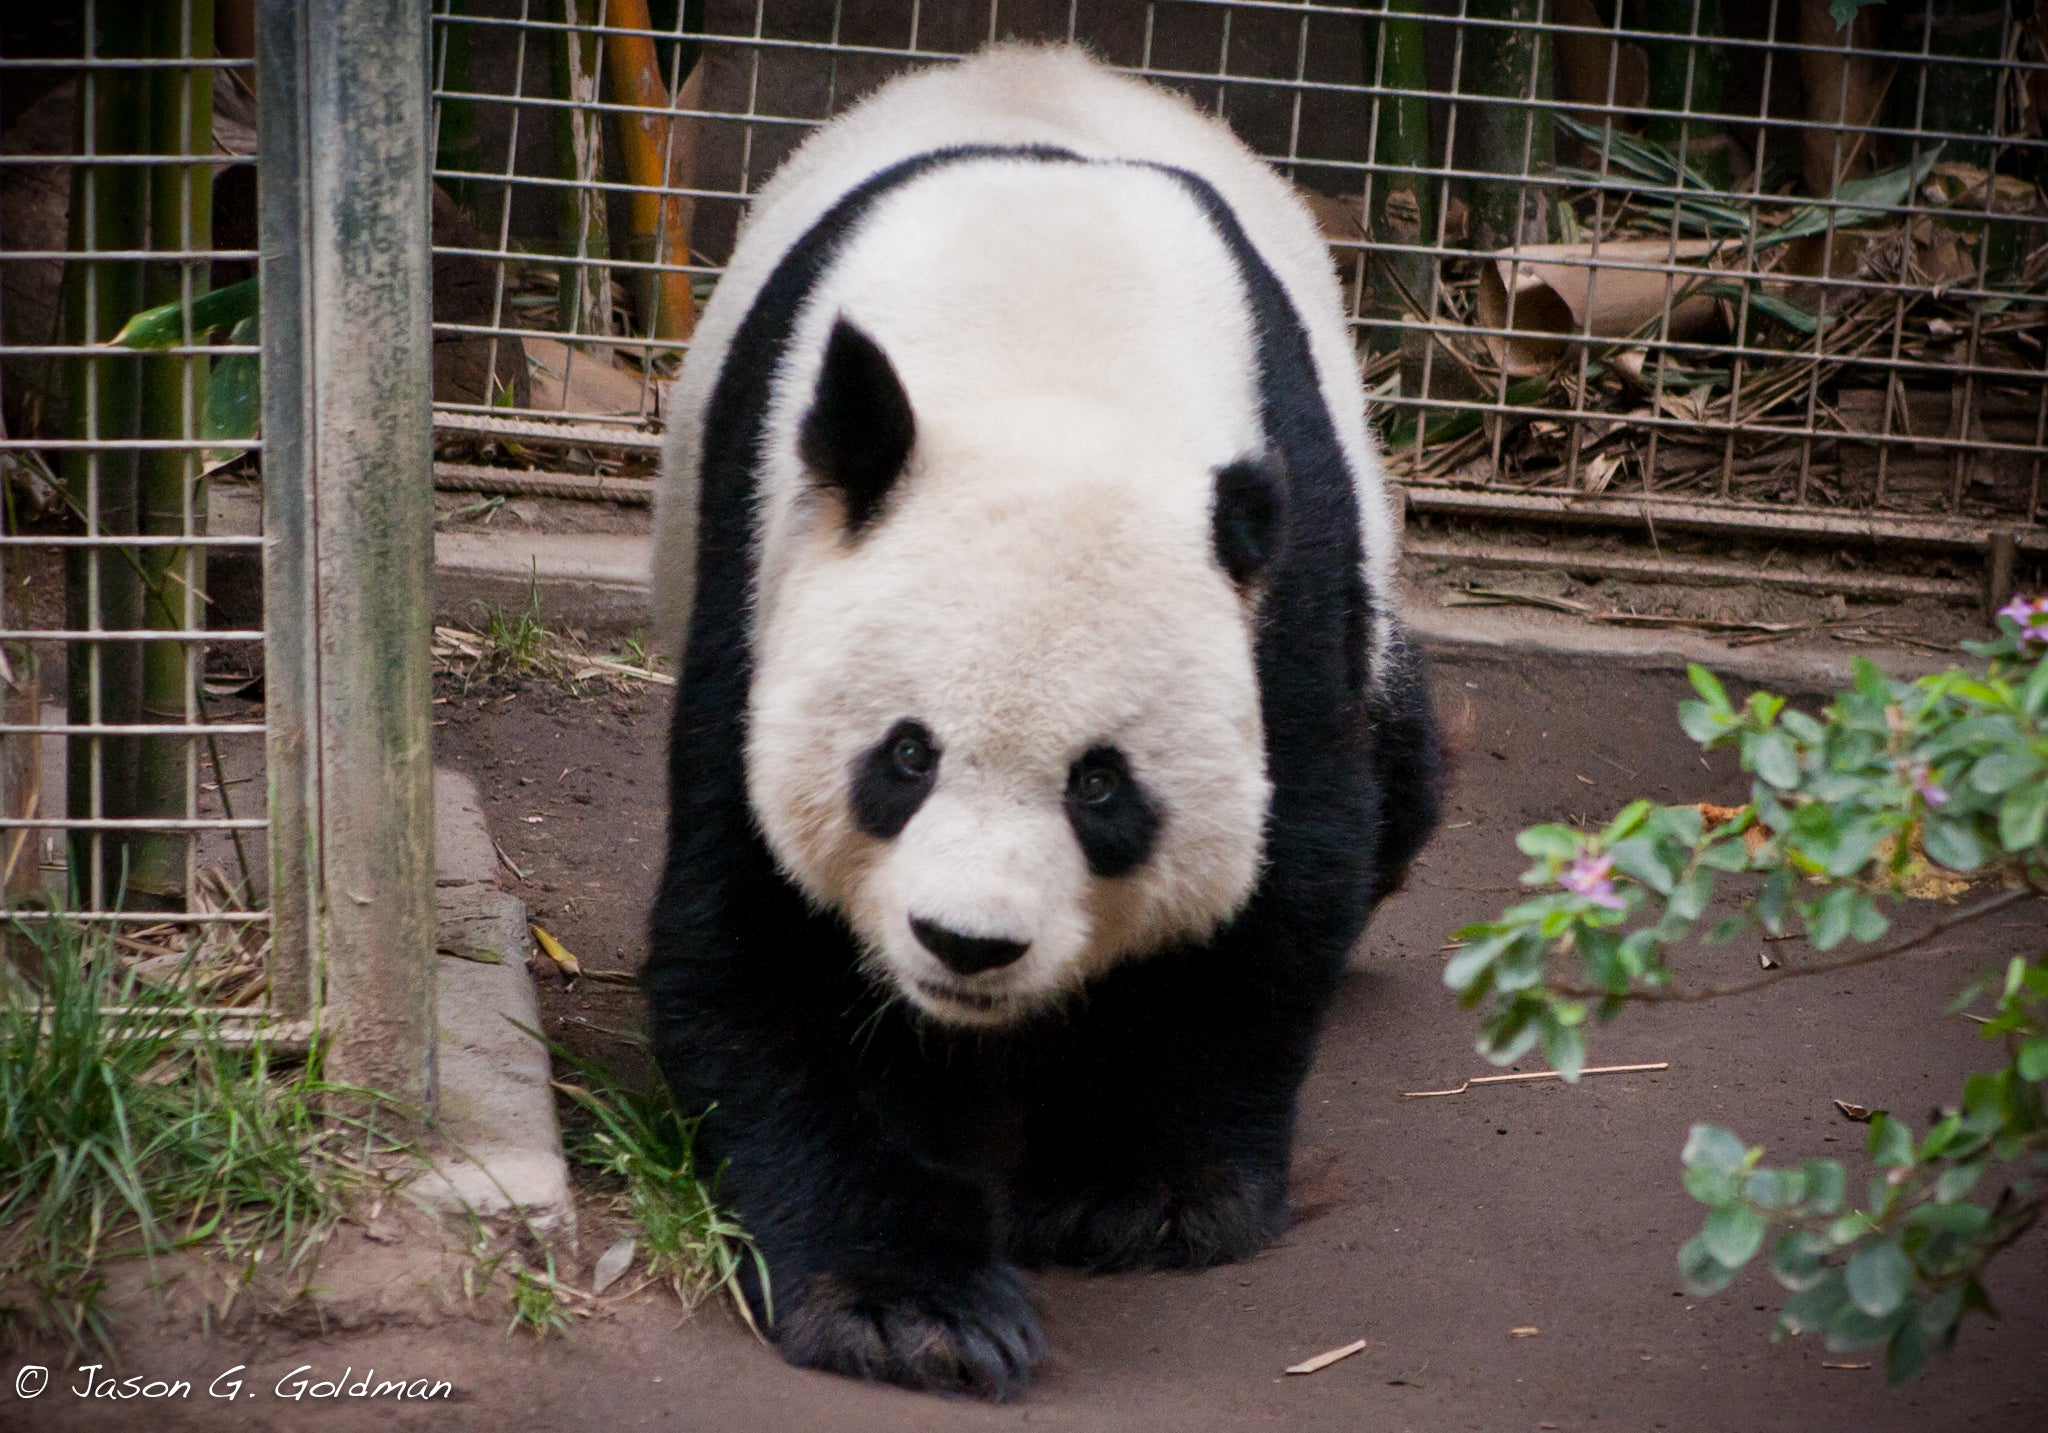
(2030, 615)
(1593, 878)
(1930, 790)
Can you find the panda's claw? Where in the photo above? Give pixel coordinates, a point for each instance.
(978, 1336)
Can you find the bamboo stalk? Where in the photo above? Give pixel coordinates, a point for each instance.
(1511, 140)
(102, 586)
(1686, 79)
(1404, 207)
(657, 150)
(584, 305)
(171, 498)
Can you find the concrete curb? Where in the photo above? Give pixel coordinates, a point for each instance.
(496, 1147)
(600, 582)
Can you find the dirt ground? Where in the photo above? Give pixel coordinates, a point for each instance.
(1507, 1252)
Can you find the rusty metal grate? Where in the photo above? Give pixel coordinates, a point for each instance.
(1729, 263)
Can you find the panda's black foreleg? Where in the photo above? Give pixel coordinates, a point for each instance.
(1166, 1141)
(883, 1262)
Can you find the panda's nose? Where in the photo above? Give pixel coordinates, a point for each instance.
(966, 954)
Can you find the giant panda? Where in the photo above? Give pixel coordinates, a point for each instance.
(1044, 729)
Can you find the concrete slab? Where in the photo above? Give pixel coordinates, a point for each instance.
(496, 1147)
(589, 580)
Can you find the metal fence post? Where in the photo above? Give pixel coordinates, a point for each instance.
(348, 488)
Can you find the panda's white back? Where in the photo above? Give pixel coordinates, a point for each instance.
(1028, 96)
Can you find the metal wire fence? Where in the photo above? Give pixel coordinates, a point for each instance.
(132, 797)
(1736, 264)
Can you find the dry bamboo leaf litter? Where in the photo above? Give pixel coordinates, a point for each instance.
(1323, 1360)
(1525, 1076)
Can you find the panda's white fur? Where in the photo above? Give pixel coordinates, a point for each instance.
(1077, 349)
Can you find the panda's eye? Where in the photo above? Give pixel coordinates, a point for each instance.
(1097, 786)
(912, 755)
(1112, 814)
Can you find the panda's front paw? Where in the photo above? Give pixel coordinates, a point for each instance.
(976, 1335)
(1215, 1216)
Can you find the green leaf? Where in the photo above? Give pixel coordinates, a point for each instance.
(1711, 1147)
(1775, 1188)
(1710, 689)
(1958, 1180)
(1952, 843)
(1638, 856)
(1857, 201)
(2032, 1060)
(1828, 920)
(164, 326)
(1798, 1262)
(1776, 760)
(1701, 1272)
(1626, 821)
(1768, 304)
(1471, 960)
(1815, 1307)
(1565, 1045)
(234, 393)
(1939, 1311)
(1852, 1329)
(1878, 1278)
(1844, 12)
(1710, 1186)
(1963, 1220)
(1733, 1234)
(1826, 1182)
(2001, 769)
(1556, 843)
(1906, 1355)
(1891, 1141)
(2023, 817)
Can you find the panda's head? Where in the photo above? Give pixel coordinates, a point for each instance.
(1005, 714)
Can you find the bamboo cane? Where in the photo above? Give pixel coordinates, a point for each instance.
(1511, 140)
(657, 150)
(102, 586)
(171, 497)
(584, 302)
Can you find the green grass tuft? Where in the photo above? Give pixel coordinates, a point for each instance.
(648, 1147)
(130, 1125)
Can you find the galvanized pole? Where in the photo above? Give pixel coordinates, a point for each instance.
(347, 467)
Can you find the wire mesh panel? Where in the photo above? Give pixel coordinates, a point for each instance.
(1771, 264)
(133, 783)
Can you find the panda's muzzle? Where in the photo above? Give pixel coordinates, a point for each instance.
(966, 954)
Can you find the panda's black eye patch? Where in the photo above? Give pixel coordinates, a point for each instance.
(1114, 820)
(892, 779)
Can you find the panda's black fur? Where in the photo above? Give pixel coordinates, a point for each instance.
(893, 1174)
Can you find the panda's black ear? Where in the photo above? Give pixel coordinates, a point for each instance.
(857, 436)
(1245, 524)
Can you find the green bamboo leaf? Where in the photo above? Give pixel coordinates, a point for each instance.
(1770, 305)
(164, 326)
